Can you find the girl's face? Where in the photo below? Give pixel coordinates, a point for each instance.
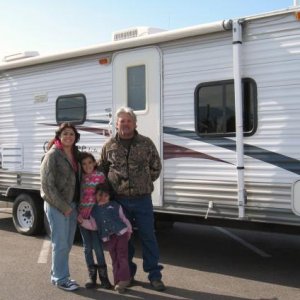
(88, 165)
(67, 137)
(102, 197)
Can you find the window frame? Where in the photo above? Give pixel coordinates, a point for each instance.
(252, 84)
(79, 122)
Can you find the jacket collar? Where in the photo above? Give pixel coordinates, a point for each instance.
(117, 136)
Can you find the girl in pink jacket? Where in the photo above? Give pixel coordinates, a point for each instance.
(91, 177)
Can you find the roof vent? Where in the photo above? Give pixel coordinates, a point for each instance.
(21, 55)
(134, 32)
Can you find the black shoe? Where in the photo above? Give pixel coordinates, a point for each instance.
(91, 282)
(132, 282)
(105, 283)
(158, 285)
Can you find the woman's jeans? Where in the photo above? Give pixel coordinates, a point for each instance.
(139, 211)
(62, 237)
(91, 240)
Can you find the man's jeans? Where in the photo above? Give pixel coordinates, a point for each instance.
(139, 211)
(62, 237)
(91, 240)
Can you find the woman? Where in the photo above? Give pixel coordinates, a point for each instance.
(60, 190)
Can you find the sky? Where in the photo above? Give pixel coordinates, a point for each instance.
(53, 26)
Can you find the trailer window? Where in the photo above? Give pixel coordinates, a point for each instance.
(136, 87)
(71, 108)
(215, 108)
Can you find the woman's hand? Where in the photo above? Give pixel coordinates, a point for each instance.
(68, 212)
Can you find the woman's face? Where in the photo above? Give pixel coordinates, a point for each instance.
(67, 137)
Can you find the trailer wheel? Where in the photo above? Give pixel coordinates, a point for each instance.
(28, 214)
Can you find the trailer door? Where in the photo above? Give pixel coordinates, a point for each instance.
(137, 84)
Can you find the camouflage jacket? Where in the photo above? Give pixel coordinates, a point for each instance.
(58, 180)
(131, 172)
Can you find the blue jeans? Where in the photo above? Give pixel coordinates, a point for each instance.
(62, 237)
(139, 211)
(91, 240)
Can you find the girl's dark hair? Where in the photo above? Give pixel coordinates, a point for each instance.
(103, 187)
(84, 155)
(65, 125)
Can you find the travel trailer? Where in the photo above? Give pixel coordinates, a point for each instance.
(221, 101)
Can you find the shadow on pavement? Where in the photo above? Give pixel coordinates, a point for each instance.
(204, 248)
(171, 293)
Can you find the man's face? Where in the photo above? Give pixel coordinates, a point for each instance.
(125, 126)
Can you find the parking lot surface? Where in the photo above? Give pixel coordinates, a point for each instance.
(200, 262)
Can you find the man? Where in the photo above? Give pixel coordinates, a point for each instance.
(131, 164)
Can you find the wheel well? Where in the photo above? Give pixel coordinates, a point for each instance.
(13, 193)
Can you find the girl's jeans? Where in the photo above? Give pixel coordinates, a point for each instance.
(118, 250)
(91, 240)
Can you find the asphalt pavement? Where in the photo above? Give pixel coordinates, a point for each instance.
(200, 262)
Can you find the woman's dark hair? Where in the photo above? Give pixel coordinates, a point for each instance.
(58, 132)
(63, 126)
(84, 155)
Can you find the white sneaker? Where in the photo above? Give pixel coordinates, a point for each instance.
(68, 286)
(73, 281)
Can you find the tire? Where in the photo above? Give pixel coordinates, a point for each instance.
(28, 214)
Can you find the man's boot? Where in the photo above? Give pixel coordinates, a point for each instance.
(104, 277)
(91, 283)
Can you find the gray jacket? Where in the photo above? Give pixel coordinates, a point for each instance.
(58, 180)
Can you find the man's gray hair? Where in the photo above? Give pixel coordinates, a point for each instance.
(126, 110)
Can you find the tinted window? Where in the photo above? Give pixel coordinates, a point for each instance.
(215, 107)
(136, 87)
(71, 108)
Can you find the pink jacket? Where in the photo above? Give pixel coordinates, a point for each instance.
(88, 198)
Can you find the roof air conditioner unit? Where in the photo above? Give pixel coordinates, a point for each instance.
(134, 32)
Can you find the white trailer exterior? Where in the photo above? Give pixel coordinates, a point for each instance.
(198, 88)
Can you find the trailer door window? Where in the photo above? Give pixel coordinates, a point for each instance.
(136, 87)
(71, 108)
(215, 108)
